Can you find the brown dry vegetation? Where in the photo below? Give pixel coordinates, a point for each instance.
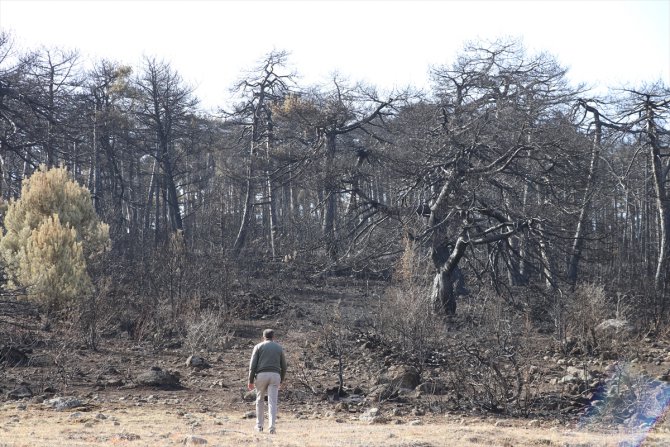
(163, 424)
(323, 324)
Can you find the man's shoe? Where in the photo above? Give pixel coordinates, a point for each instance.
(259, 429)
(273, 431)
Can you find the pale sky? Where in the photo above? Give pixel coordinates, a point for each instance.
(385, 43)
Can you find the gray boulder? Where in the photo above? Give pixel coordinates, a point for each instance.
(373, 416)
(578, 373)
(64, 403)
(21, 392)
(195, 361)
(156, 377)
(405, 377)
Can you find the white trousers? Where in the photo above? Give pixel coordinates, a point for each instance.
(267, 383)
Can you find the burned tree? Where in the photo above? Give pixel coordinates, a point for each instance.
(332, 114)
(165, 106)
(254, 116)
(484, 142)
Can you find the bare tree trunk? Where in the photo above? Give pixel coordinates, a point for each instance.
(272, 201)
(75, 160)
(146, 218)
(518, 270)
(274, 223)
(547, 268)
(172, 198)
(259, 92)
(355, 185)
(448, 278)
(330, 192)
(51, 158)
(647, 222)
(662, 199)
(445, 258)
(247, 212)
(578, 238)
(94, 177)
(157, 216)
(131, 208)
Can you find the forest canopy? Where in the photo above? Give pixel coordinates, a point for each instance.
(503, 173)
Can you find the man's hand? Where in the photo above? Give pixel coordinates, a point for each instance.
(250, 386)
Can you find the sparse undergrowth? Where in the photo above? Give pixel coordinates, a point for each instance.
(481, 368)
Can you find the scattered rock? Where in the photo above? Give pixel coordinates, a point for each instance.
(568, 379)
(381, 392)
(372, 416)
(418, 412)
(21, 392)
(156, 377)
(249, 415)
(125, 437)
(64, 403)
(406, 377)
(249, 396)
(572, 389)
(341, 407)
(77, 417)
(12, 356)
(579, 373)
(195, 361)
(194, 440)
(534, 423)
(415, 422)
(335, 393)
(114, 383)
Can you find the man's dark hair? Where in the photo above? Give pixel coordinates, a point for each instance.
(268, 334)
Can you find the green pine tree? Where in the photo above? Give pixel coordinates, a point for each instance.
(50, 232)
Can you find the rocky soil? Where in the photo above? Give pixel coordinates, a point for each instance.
(45, 374)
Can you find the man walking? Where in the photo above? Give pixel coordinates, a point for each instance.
(266, 371)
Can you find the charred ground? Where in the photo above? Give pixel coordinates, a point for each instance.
(349, 360)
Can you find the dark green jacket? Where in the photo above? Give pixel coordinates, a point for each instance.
(267, 356)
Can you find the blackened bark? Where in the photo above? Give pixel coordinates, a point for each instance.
(578, 238)
(330, 193)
